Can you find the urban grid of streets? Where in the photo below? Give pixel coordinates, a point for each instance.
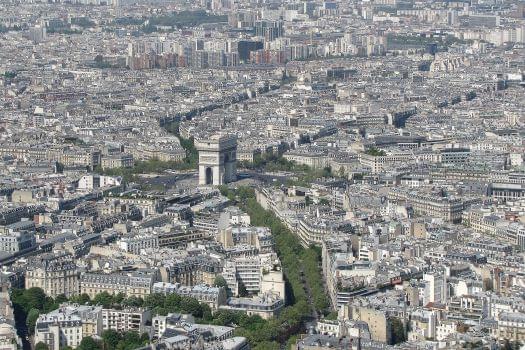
(262, 174)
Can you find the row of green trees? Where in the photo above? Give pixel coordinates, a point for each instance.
(273, 162)
(128, 21)
(257, 330)
(262, 334)
(296, 261)
(291, 252)
(161, 304)
(28, 304)
(4, 29)
(10, 74)
(83, 22)
(310, 260)
(376, 152)
(192, 155)
(110, 340)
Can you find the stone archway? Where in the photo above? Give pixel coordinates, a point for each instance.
(209, 176)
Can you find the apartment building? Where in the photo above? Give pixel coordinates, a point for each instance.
(213, 296)
(66, 326)
(511, 326)
(137, 283)
(193, 270)
(54, 274)
(312, 229)
(431, 204)
(117, 161)
(266, 306)
(17, 242)
(126, 320)
(138, 242)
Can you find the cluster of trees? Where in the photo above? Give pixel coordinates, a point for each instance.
(442, 42)
(273, 162)
(107, 300)
(160, 304)
(28, 304)
(413, 40)
(113, 340)
(297, 263)
(375, 152)
(98, 62)
(192, 155)
(398, 330)
(183, 19)
(74, 140)
(304, 174)
(64, 30)
(10, 74)
(331, 316)
(140, 167)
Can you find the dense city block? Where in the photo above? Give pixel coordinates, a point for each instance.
(262, 174)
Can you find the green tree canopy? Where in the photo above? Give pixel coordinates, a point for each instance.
(31, 319)
(243, 292)
(35, 298)
(220, 282)
(41, 346)
(88, 343)
(105, 299)
(110, 339)
(155, 300)
(61, 298)
(398, 330)
(133, 301)
(375, 152)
